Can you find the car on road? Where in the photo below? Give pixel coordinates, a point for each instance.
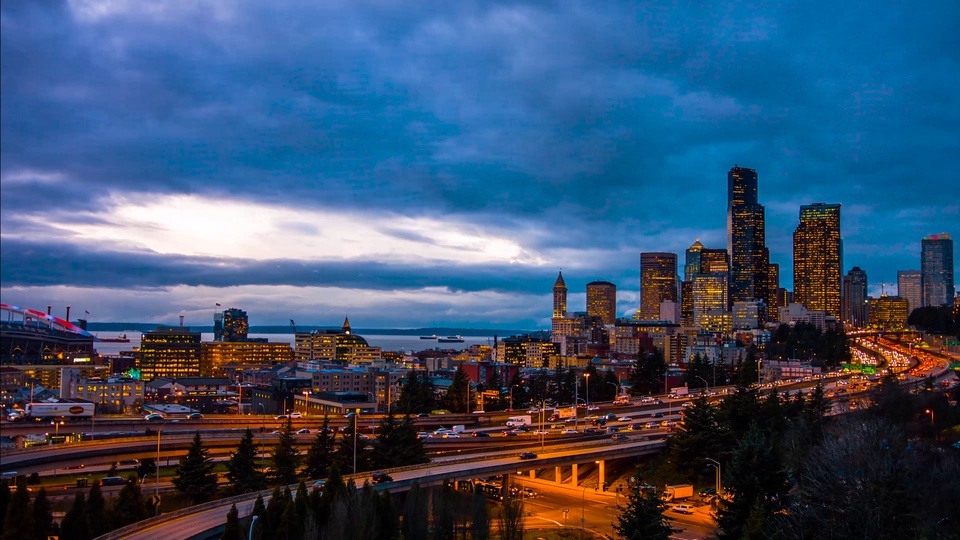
(708, 492)
(625, 419)
(318, 484)
(619, 437)
(128, 463)
(296, 416)
(528, 455)
(480, 434)
(423, 435)
(668, 424)
(682, 508)
(195, 416)
(651, 425)
(593, 407)
(423, 415)
(569, 432)
(281, 417)
(153, 417)
(112, 481)
(451, 435)
(303, 431)
(510, 433)
(658, 415)
(381, 477)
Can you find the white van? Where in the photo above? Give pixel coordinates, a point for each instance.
(682, 508)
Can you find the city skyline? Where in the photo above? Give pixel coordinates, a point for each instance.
(437, 166)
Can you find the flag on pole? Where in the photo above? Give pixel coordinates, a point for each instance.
(218, 305)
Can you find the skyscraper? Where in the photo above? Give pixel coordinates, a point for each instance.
(936, 265)
(749, 258)
(910, 288)
(559, 297)
(235, 325)
(658, 282)
(854, 303)
(602, 301)
(169, 352)
(817, 258)
(699, 296)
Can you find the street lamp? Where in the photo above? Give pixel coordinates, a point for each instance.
(933, 424)
(616, 389)
(716, 465)
(587, 384)
(704, 382)
(263, 430)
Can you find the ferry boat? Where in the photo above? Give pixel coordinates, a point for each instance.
(429, 337)
(451, 339)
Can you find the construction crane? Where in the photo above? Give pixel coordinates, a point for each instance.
(293, 326)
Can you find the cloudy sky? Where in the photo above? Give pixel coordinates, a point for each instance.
(438, 163)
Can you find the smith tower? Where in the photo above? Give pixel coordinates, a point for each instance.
(746, 242)
(559, 297)
(818, 258)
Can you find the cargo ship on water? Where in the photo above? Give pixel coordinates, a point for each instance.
(122, 338)
(451, 339)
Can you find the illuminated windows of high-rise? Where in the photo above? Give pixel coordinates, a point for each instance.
(817, 254)
(746, 237)
(235, 325)
(169, 352)
(936, 266)
(602, 301)
(910, 287)
(658, 282)
(559, 296)
(854, 303)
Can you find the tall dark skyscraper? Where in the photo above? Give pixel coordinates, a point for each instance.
(936, 268)
(658, 282)
(746, 243)
(854, 303)
(818, 258)
(602, 301)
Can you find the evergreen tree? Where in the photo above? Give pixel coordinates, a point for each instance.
(409, 392)
(242, 473)
(75, 525)
(97, 511)
(397, 444)
(416, 514)
(647, 374)
(286, 456)
(389, 518)
(815, 411)
(458, 398)
(698, 437)
(320, 452)
(232, 530)
(610, 387)
(147, 467)
(260, 512)
(641, 516)
(699, 372)
(19, 521)
(754, 476)
(129, 506)
(274, 511)
(480, 521)
(518, 391)
(511, 519)
(42, 516)
(195, 477)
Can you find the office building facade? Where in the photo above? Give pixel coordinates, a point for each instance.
(936, 265)
(235, 325)
(817, 258)
(910, 287)
(602, 301)
(854, 302)
(746, 237)
(172, 352)
(658, 282)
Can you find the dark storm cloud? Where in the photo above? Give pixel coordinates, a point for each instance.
(595, 125)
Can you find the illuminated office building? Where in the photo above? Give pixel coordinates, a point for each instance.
(706, 282)
(335, 346)
(910, 287)
(216, 355)
(854, 303)
(817, 258)
(658, 282)
(235, 325)
(171, 352)
(888, 313)
(746, 242)
(936, 265)
(709, 295)
(773, 288)
(602, 301)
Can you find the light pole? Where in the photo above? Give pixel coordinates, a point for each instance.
(576, 400)
(252, 521)
(616, 388)
(704, 382)
(157, 484)
(587, 384)
(355, 415)
(933, 424)
(263, 430)
(716, 465)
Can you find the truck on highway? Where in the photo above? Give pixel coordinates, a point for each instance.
(680, 391)
(459, 428)
(678, 492)
(563, 413)
(55, 410)
(517, 421)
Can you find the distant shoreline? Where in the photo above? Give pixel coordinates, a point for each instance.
(281, 329)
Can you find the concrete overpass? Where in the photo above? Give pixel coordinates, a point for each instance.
(203, 521)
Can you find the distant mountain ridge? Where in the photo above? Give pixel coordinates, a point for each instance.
(285, 329)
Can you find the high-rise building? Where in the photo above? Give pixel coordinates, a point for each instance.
(709, 295)
(700, 296)
(773, 288)
(936, 265)
(169, 352)
(910, 287)
(559, 297)
(235, 325)
(658, 282)
(749, 258)
(888, 313)
(817, 258)
(854, 302)
(602, 301)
